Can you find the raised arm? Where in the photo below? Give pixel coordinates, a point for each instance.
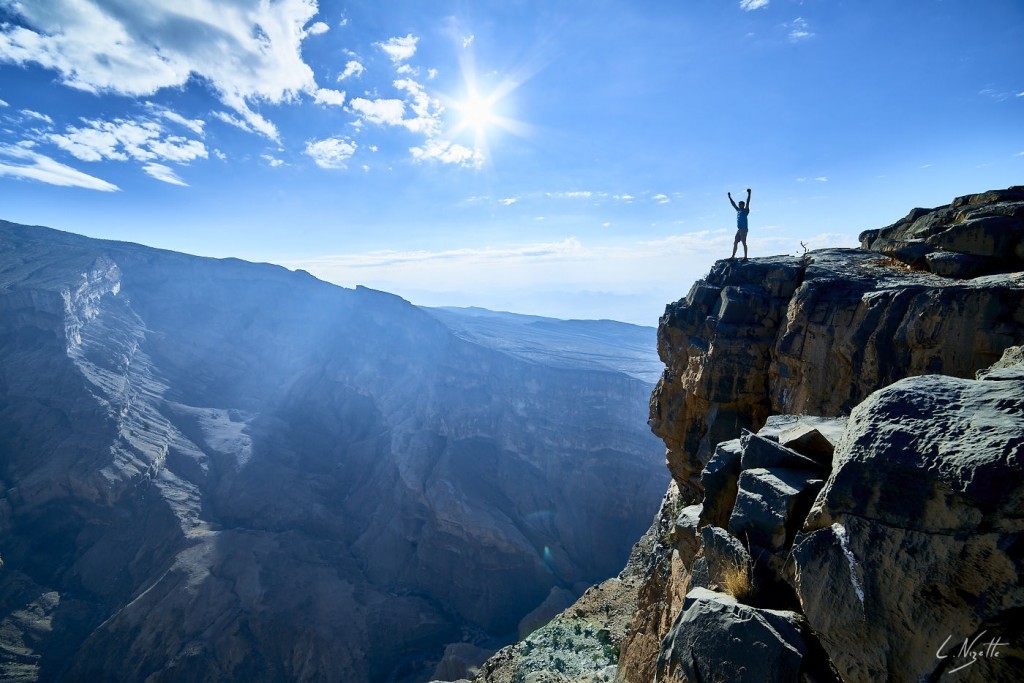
(748, 199)
(732, 202)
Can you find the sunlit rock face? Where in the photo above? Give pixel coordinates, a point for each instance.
(213, 470)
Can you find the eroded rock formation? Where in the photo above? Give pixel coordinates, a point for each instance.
(856, 545)
(217, 470)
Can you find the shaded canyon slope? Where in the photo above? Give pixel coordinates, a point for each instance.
(845, 433)
(219, 470)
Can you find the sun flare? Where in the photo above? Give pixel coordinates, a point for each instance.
(477, 112)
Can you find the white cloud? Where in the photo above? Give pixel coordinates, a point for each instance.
(36, 115)
(249, 51)
(467, 40)
(273, 161)
(232, 120)
(625, 197)
(432, 74)
(20, 161)
(121, 139)
(195, 125)
(318, 28)
(447, 152)
(380, 111)
(220, 155)
(3, 103)
(332, 97)
(798, 30)
(331, 152)
(661, 198)
(822, 179)
(164, 174)
(399, 49)
(508, 201)
(352, 68)
(750, 5)
(582, 194)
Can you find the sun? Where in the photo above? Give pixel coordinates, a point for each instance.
(477, 112)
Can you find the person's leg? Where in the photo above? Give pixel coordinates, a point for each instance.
(734, 243)
(744, 247)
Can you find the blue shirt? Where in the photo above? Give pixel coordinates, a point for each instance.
(741, 218)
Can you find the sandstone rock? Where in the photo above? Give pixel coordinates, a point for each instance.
(715, 638)
(771, 505)
(923, 518)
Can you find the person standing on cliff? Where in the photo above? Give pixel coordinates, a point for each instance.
(741, 224)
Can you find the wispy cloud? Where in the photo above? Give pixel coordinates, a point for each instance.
(799, 30)
(574, 194)
(271, 160)
(21, 161)
(164, 174)
(331, 152)
(37, 116)
(3, 103)
(661, 198)
(750, 5)
(508, 201)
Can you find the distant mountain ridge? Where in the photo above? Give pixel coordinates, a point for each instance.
(593, 344)
(218, 470)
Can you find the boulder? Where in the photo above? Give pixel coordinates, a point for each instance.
(988, 236)
(727, 561)
(715, 638)
(988, 226)
(771, 505)
(915, 541)
(684, 531)
(761, 452)
(953, 264)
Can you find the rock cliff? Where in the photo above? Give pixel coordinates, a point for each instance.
(847, 497)
(218, 470)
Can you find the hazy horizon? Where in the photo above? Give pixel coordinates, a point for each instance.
(570, 161)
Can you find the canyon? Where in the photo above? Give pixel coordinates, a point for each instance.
(221, 470)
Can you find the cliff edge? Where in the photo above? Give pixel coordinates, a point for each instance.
(843, 431)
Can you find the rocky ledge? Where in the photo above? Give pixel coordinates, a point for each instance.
(884, 538)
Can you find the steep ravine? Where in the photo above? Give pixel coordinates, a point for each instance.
(863, 535)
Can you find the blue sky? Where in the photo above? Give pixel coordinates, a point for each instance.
(558, 158)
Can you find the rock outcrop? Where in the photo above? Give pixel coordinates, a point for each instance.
(218, 470)
(882, 539)
(975, 235)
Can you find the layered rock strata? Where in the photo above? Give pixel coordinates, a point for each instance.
(844, 547)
